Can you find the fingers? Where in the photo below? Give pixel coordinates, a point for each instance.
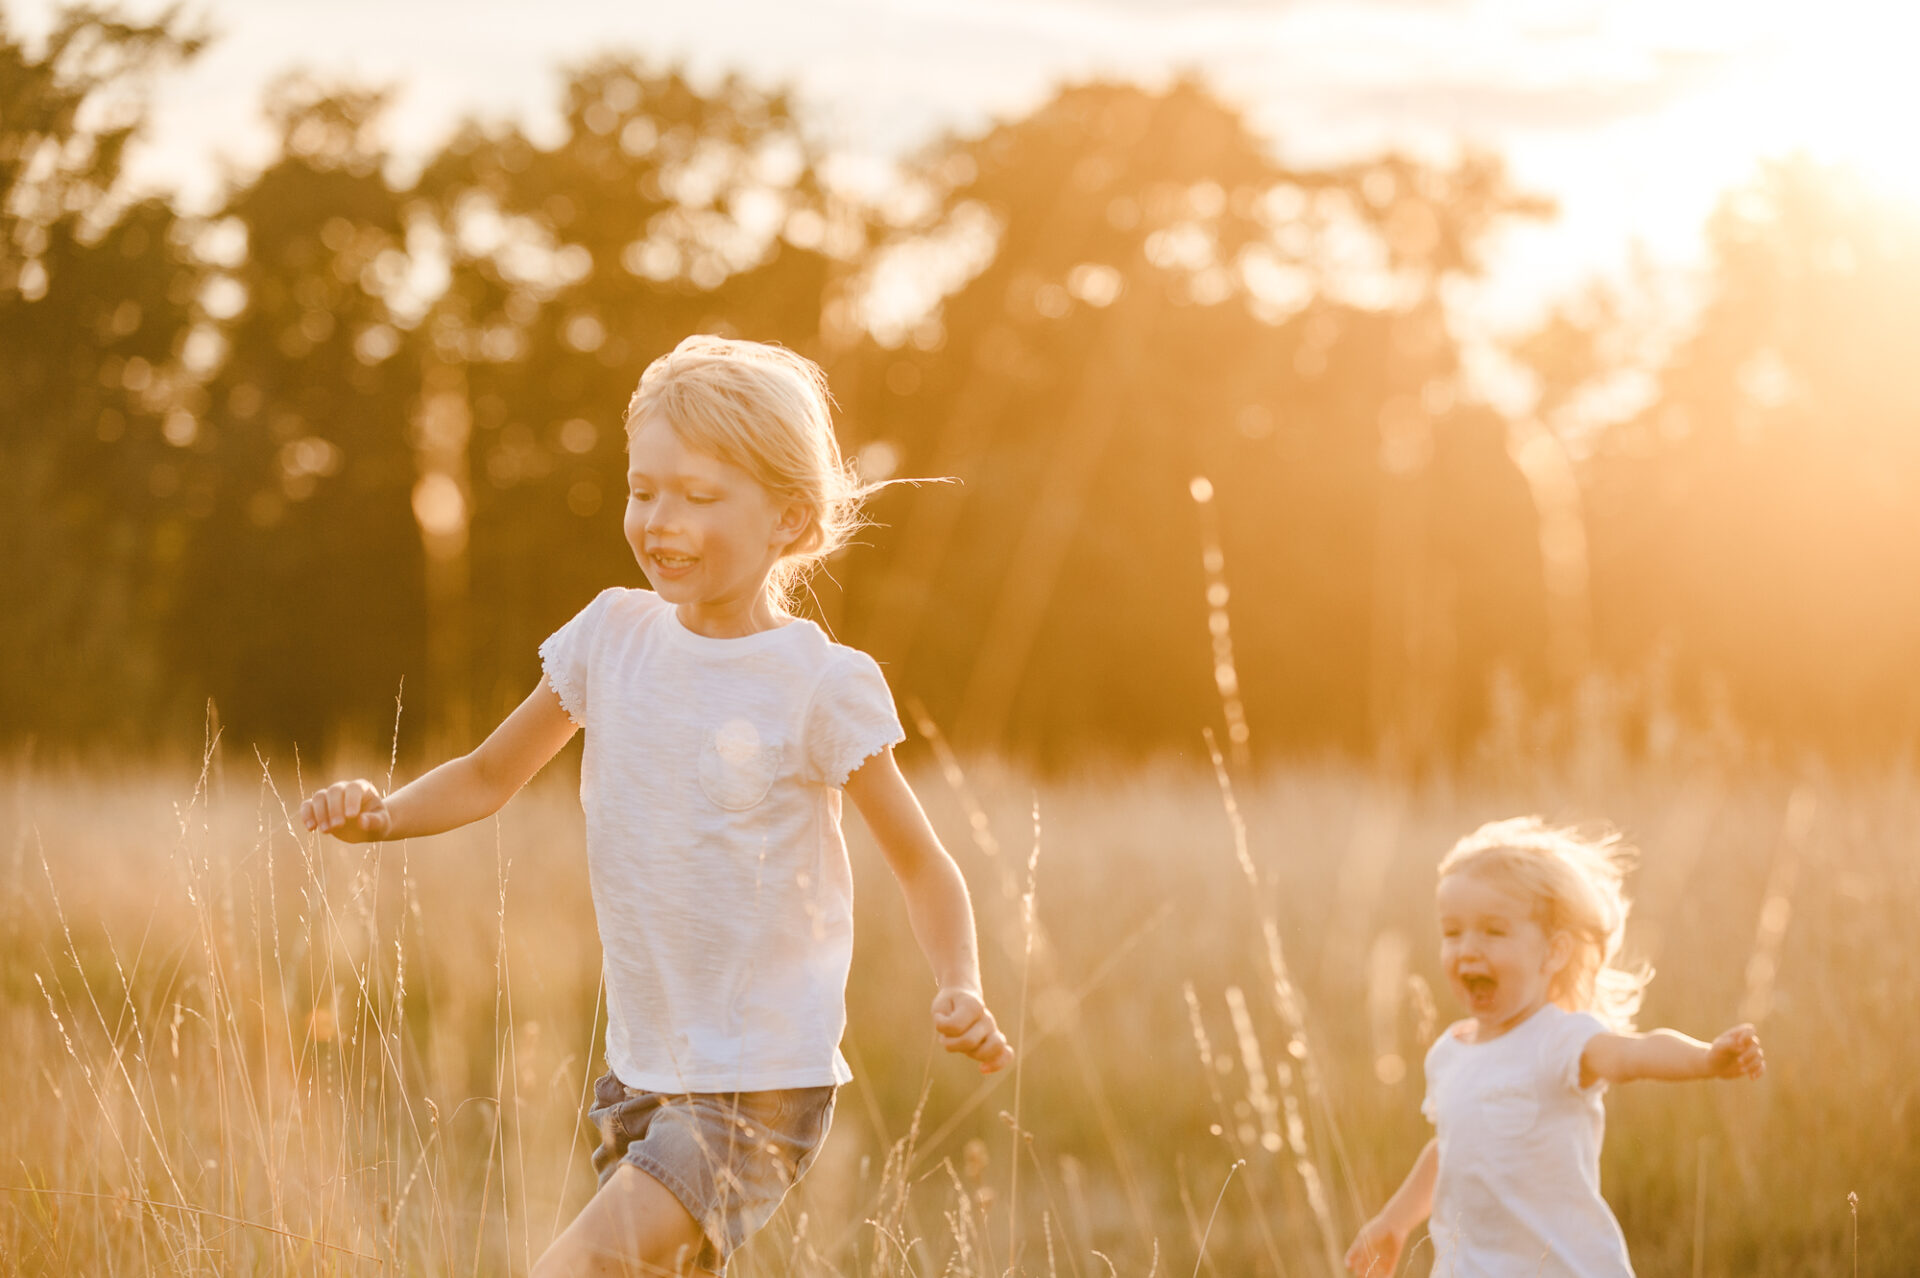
(1740, 1048)
(1752, 1060)
(967, 1028)
(350, 810)
(1369, 1257)
(994, 1055)
(970, 1039)
(983, 1041)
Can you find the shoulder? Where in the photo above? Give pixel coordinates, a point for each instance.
(834, 664)
(1558, 1025)
(621, 606)
(1453, 1038)
(611, 612)
(628, 600)
(1563, 1042)
(853, 662)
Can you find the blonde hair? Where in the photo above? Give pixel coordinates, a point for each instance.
(1576, 884)
(766, 410)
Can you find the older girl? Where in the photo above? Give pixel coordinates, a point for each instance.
(721, 733)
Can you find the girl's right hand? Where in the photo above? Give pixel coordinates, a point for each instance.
(1376, 1252)
(351, 811)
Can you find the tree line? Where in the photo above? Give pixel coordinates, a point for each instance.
(1215, 452)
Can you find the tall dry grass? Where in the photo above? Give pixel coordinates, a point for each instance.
(235, 1049)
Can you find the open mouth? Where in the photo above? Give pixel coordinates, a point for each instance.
(1480, 989)
(672, 562)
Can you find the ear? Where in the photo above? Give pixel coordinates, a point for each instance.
(792, 525)
(1559, 952)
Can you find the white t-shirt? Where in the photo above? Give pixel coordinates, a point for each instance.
(1518, 1194)
(711, 783)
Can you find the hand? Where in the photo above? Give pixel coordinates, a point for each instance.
(1736, 1054)
(351, 811)
(1376, 1251)
(966, 1026)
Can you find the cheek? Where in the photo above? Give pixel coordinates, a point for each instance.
(1526, 956)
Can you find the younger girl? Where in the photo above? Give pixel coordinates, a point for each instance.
(1531, 920)
(721, 731)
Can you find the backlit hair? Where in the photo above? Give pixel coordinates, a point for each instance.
(766, 410)
(1576, 885)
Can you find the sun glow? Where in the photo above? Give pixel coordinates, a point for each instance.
(1841, 87)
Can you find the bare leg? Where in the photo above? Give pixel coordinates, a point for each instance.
(633, 1227)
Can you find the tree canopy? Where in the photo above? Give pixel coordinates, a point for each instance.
(345, 432)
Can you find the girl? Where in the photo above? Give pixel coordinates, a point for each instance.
(1531, 920)
(721, 730)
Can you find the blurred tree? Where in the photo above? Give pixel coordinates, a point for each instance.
(1757, 524)
(96, 415)
(1162, 299)
(342, 433)
(303, 606)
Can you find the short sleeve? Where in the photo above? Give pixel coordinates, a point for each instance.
(849, 719)
(565, 656)
(1430, 1102)
(1560, 1054)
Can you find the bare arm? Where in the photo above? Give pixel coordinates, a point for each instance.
(937, 906)
(460, 790)
(1376, 1252)
(1670, 1056)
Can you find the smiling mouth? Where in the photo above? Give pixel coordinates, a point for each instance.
(1480, 989)
(667, 560)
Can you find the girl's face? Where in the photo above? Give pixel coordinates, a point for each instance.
(704, 531)
(1498, 959)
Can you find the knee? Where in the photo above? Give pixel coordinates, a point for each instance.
(555, 1262)
(572, 1257)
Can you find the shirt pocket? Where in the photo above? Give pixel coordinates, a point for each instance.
(739, 763)
(1510, 1110)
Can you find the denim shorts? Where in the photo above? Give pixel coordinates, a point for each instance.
(729, 1157)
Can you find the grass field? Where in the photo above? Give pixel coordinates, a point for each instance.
(233, 1049)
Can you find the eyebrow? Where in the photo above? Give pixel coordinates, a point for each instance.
(682, 477)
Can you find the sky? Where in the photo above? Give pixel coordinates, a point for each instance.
(1634, 115)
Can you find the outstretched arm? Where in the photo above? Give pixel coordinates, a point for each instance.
(1376, 1251)
(461, 790)
(1671, 1056)
(937, 905)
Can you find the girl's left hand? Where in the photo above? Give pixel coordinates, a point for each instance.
(967, 1027)
(1736, 1054)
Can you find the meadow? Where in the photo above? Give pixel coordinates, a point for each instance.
(233, 1048)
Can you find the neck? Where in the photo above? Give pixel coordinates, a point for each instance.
(731, 619)
(1486, 1028)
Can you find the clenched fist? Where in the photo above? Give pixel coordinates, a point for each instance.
(1736, 1054)
(352, 811)
(967, 1027)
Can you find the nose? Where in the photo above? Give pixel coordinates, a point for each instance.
(661, 517)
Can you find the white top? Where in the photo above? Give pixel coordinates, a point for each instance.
(711, 783)
(1518, 1194)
